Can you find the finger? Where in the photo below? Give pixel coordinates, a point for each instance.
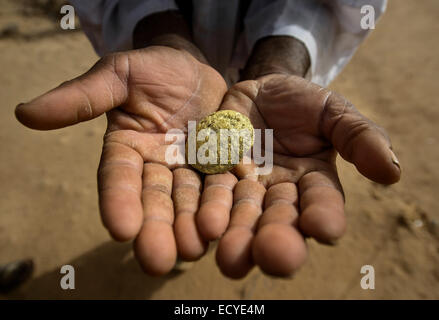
(280, 206)
(155, 246)
(246, 170)
(186, 197)
(216, 202)
(86, 97)
(241, 98)
(322, 206)
(120, 186)
(360, 141)
(278, 247)
(234, 249)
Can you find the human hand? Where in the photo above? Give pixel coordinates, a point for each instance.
(302, 197)
(144, 93)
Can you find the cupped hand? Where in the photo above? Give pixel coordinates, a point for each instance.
(302, 196)
(144, 93)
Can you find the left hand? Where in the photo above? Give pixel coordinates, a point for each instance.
(144, 93)
(302, 196)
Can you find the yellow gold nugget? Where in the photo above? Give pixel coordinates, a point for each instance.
(220, 142)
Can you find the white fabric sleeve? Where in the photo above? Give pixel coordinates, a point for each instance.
(331, 30)
(109, 24)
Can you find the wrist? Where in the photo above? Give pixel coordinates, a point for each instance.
(277, 55)
(169, 29)
(178, 42)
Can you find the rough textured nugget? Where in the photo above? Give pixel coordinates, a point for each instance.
(240, 140)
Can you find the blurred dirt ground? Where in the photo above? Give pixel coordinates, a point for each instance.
(48, 198)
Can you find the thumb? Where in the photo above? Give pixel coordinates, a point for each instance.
(360, 141)
(100, 89)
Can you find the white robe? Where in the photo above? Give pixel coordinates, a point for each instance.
(330, 29)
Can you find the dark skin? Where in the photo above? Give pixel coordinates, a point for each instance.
(172, 211)
(144, 93)
(302, 197)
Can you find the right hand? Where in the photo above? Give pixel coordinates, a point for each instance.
(302, 196)
(144, 93)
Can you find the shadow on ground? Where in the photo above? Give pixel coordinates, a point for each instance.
(107, 272)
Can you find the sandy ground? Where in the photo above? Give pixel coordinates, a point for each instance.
(48, 198)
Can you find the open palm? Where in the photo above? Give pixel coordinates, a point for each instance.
(144, 93)
(302, 196)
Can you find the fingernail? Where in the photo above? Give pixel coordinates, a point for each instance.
(395, 159)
